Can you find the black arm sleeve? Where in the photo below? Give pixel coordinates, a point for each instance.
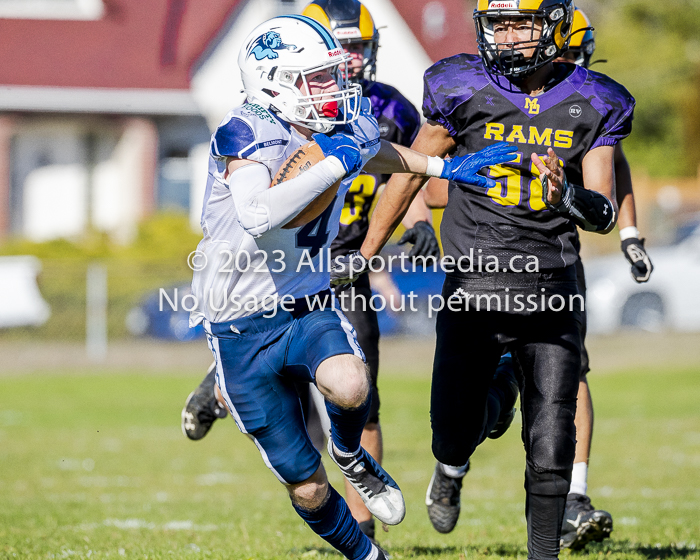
(589, 210)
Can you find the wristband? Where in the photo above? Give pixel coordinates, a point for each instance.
(435, 166)
(629, 232)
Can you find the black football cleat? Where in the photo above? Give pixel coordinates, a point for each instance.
(202, 409)
(504, 381)
(583, 523)
(443, 500)
(381, 553)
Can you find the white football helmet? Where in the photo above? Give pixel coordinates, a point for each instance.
(278, 56)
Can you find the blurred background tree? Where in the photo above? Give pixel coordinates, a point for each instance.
(653, 48)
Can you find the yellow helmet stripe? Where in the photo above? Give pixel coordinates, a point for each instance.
(580, 22)
(366, 23)
(314, 11)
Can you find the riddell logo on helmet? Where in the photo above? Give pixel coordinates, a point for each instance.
(348, 33)
(510, 4)
(336, 52)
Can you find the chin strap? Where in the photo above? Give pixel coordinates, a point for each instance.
(589, 210)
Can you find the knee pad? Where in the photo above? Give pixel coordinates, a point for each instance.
(547, 483)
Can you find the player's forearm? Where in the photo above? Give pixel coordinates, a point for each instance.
(260, 208)
(391, 208)
(418, 211)
(598, 176)
(623, 190)
(434, 140)
(394, 158)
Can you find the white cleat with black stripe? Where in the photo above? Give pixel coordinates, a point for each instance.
(378, 491)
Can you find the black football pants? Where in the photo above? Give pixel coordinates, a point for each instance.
(546, 353)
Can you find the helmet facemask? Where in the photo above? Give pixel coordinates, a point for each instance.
(319, 112)
(368, 71)
(582, 53)
(507, 59)
(322, 111)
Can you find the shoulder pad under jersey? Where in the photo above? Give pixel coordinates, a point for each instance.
(250, 132)
(614, 103)
(450, 82)
(390, 107)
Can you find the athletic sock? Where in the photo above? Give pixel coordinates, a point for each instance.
(579, 479)
(455, 472)
(346, 426)
(334, 523)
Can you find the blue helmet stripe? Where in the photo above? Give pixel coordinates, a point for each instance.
(322, 31)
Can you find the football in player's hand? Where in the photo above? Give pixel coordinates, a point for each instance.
(301, 160)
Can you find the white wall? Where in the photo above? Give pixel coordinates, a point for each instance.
(217, 86)
(401, 61)
(199, 169)
(51, 156)
(55, 202)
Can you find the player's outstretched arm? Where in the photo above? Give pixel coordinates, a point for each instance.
(432, 139)
(411, 168)
(593, 208)
(631, 244)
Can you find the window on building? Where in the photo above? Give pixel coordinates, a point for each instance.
(52, 9)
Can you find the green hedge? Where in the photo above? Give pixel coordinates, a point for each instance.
(157, 258)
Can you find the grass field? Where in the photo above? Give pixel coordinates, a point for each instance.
(95, 466)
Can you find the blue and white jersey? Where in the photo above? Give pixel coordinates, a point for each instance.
(240, 274)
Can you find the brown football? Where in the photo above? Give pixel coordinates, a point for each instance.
(302, 159)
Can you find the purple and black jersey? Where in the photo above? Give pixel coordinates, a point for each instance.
(582, 111)
(399, 122)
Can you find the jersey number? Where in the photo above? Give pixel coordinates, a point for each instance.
(510, 180)
(314, 235)
(362, 188)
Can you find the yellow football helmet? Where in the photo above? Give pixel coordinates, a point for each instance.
(350, 22)
(582, 43)
(555, 17)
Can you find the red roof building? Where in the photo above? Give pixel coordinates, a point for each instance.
(120, 81)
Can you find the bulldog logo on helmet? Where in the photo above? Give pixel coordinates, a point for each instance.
(266, 45)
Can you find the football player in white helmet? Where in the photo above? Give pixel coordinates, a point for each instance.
(262, 289)
(276, 74)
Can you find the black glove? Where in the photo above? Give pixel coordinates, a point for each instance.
(348, 268)
(425, 244)
(637, 256)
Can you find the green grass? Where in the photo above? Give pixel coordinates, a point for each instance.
(96, 466)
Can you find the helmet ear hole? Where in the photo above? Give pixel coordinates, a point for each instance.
(286, 77)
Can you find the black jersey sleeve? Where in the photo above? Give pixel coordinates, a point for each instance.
(614, 103)
(448, 84)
